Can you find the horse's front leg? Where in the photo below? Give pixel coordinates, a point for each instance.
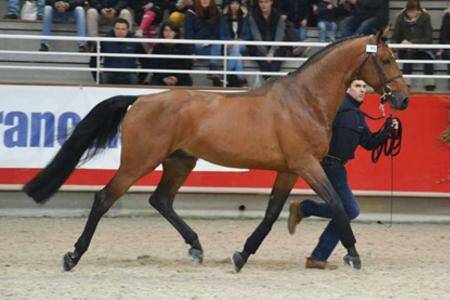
(280, 192)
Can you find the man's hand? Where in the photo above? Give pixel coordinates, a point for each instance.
(406, 42)
(269, 56)
(303, 23)
(147, 6)
(394, 124)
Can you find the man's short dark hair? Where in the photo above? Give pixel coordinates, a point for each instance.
(121, 21)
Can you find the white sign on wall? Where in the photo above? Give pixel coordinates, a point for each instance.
(35, 120)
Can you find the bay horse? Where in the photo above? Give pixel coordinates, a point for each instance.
(284, 126)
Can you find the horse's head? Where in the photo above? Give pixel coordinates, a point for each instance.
(381, 72)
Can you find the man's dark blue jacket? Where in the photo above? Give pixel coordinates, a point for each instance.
(121, 47)
(350, 130)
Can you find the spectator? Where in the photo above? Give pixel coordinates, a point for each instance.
(170, 30)
(266, 24)
(413, 26)
(444, 37)
(298, 13)
(148, 15)
(107, 11)
(326, 20)
(202, 23)
(14, 9)
(366, 17)
(234, 26)
(64, 11)
(120, 30)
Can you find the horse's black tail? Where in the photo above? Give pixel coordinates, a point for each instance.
(93, 133)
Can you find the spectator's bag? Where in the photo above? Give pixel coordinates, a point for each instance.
(29, 11)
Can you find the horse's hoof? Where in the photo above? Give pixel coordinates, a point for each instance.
(352, 261)
(238, 261)
(197, 255)
(69, 261)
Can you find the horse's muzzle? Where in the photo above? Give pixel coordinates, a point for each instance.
(399, 100)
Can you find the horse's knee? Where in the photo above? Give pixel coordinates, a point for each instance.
(101, 206)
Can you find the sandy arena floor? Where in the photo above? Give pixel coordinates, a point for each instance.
(144, 258)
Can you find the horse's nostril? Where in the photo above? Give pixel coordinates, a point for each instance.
(405, 102)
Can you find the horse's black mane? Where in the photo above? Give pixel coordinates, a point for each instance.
(322, 52)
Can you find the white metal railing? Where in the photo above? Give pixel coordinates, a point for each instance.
(224, 72)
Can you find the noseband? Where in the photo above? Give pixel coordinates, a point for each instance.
(384, 82)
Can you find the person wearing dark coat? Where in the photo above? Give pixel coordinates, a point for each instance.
(349, 131)
(366, 17)
(298, 12)
(121, 30)
(413, 26)
(267, 24)
(170, 30)
(234, 25)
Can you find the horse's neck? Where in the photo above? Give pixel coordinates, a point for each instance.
(332, 73)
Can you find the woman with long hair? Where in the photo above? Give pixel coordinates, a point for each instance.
(170, 30)
(234, 26)
(202, 23)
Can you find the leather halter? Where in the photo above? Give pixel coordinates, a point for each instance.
(387, 91)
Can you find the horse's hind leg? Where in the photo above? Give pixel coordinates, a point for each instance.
(280, 192)
(103, 201)
(176, 169)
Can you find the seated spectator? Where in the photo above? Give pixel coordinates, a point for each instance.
(366, 17)
(266, 24)
(170, 30)
(14, 9)
(107, 11)
(202, 23)
(413, 26)
(64, 11)
(148, 15)
(444, 37)
(326, 20)
(298, 13)
(120, 30)
(234, 26)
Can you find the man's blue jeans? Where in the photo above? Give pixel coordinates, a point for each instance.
(52, 14)
(14, 7)
(330, 237)
(356, 26)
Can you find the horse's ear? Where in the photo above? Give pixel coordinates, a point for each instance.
(382, 35)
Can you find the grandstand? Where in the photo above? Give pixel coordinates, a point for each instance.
(435, 7)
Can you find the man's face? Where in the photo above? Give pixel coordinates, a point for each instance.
(120, 30)
(412, 14)
(357, 90)
(265, 5)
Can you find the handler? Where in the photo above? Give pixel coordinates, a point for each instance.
(349, 130)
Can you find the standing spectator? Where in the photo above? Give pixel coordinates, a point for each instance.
(64, 11)
(120, 30)
(366, 17)
(14, 9)
(107, 11)
(170, 30)
(444, 37)
(202, 23)
(326, 20)
(298, 13)
(234, 26)
(266, 24)
(413, 26)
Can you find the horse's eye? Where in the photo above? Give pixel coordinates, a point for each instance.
(386, 61)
